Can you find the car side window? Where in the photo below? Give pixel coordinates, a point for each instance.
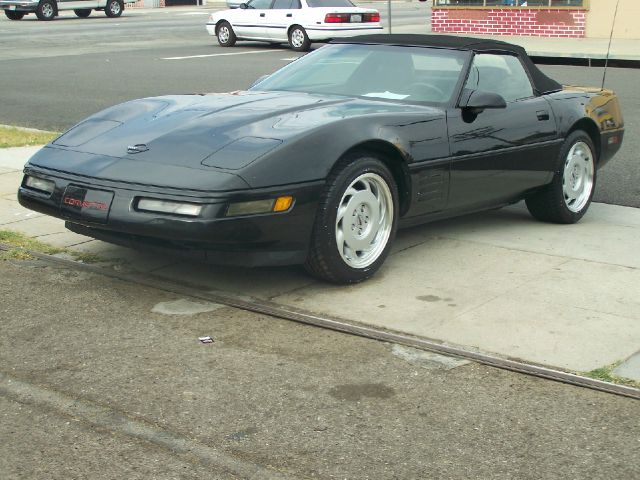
(259, 4)
(501, 74)
(286, 4)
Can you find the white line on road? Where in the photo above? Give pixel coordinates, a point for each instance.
(220, 54)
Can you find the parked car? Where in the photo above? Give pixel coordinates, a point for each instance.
(296, 22)
(48, 9)
(322, 161)
(234, 3)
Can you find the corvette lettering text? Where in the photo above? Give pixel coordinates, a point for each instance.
(76, 202)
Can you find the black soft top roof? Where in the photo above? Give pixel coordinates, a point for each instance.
(541, 82)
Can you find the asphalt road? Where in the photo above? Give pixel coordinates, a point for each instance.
(54, 74)
(105, 379)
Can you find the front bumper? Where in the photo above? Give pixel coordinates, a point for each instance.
(252, 240)
(19, 6)
(328, 32)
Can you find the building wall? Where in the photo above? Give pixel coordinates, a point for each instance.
(600, 19)
(511, 21)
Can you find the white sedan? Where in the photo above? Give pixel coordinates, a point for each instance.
(297, 22)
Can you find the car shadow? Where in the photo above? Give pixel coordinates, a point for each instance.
(271, 282)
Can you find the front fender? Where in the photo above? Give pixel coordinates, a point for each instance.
(311, 154)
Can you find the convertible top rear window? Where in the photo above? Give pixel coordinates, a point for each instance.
(412, 74)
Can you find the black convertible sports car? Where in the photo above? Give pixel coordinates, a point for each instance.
(320, 162)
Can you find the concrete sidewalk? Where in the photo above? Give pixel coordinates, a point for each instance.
(499, 282)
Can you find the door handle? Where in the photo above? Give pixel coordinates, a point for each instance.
(262, 14)
(542, 115)
(289, 15)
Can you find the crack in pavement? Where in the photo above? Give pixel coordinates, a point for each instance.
(111, 419)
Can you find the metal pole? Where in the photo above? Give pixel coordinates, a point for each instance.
(389, 13)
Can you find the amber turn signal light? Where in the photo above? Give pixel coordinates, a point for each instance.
(282, 204)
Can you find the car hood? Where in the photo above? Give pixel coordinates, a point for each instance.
(217, 131)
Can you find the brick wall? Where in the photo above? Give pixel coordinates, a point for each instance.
(510, 21)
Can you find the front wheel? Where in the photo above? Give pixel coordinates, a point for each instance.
(567, 198)
(356, 221)
(298, 39)
(226, 36)
(12, 15)
(82, 13)
(114, 8)
(46, 10)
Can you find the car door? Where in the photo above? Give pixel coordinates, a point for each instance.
(282, 14)
(498, 154)
(79, 4)
(250, 22)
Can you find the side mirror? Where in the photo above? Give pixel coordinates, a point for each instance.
(477, 100)
(260, 79)
(243, 6)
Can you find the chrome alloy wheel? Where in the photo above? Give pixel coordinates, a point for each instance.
(223, 34)
(364, 220)
(297, 38)
(47, 10)
(577, 179)
(114, 8)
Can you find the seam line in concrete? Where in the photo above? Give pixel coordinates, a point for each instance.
(22, 219)
(292, 291)
(170, 264)
(79, 243)
(110, 419)
(409, 247)
(543, 253)
(507, 292)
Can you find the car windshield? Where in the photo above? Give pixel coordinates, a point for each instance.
(329, 3)
(412, 74)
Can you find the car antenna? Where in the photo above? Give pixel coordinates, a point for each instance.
(606, 61)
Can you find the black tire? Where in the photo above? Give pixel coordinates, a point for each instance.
(225, 34)
(298, 39)
(46, 10)
(83, 13)
(13, 15)
(114, 8)
(551, 203)
(328, 258)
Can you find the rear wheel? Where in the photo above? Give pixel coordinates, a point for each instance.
(225, 34)
(114, 8)
(11, 15)
(83, 13)
(356, 221)
(567, 198)
(298, 39)
(46, 10)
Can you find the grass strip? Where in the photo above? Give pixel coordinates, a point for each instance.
(20, 245)
(606, 375)
(20, 137)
